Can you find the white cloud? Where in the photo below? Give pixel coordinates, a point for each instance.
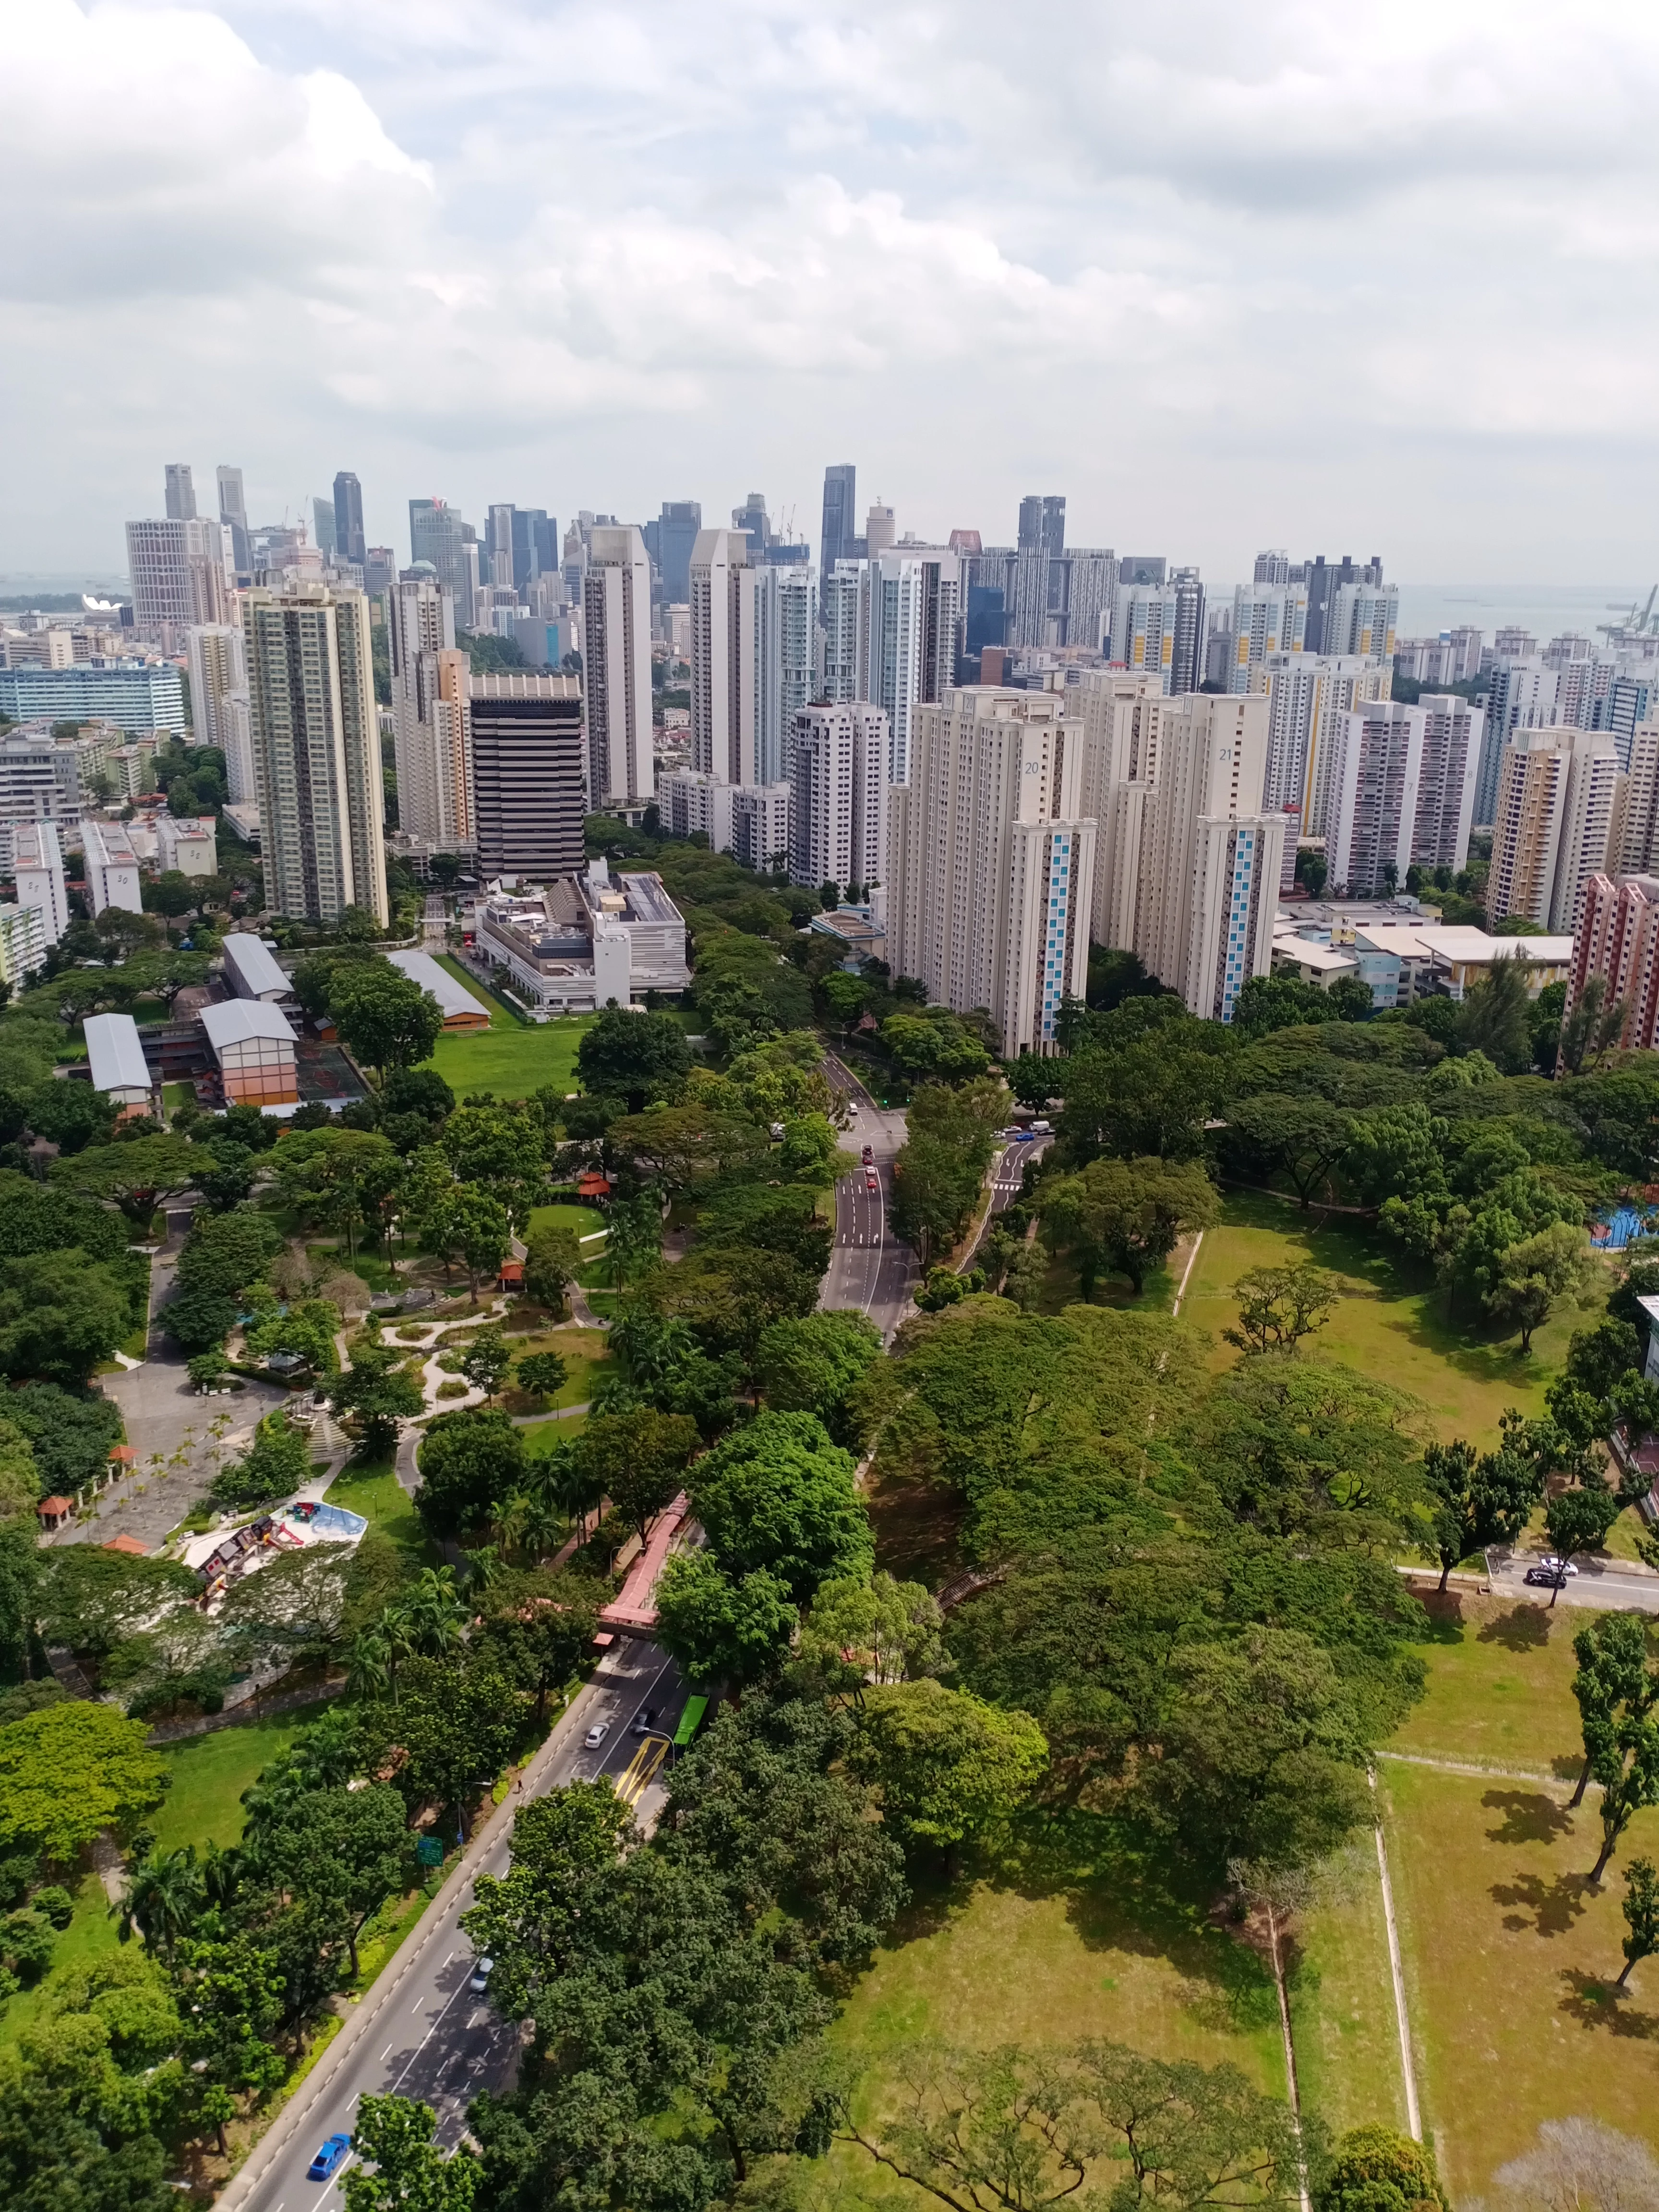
(1225, 276)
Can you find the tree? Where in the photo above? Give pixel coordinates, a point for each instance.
(163, 1896)
(487, 1362)
(1595, 1023)
(541, 1374)
(61, 1315)
(138, 1176)
(1153, 1096)
(1578, 1520)
(1013, 2130)
(881, 1632)
(71, 1772)
(1626, 1762)
(471, 1464)
(1613, 1678)
(408, 2173)
(537, 1627)
(719, 1627)
(1534, 1273)
(346, 1849)
(1278, 1306)
(632, 1054)
(378, 1390)
(635, 1236)
(474, 1226)
(458, 1726)
(813, 1365)
(1495, 1016)
(637, 1460)
(384, 1017)
(1580, 2163)
(552, 1257)
(777, 1494)
(1641, 1910)
(1475, 1500)
(1301, 1137)
(1376, 2169)
(935, 1043)
(946, 1762)
(277, 1464)
(1125, 1215)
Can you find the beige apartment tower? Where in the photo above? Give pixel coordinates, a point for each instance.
(617, 668)
(1532, 790)
(316, 750)
(991, 860)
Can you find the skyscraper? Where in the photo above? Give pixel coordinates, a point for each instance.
(1187, 655)
(1267, 618)
(677, 528)
(1618, 940)
(1532, 789)
(182, 572)
(350, 541)
(535, 547)
(909, 636)
(527, 780)
(991, 862)
(1521, 695)
(1360, 620)
(436, 533)
(1593, 779)
(233, 513)
(1323, 580)
(322, 522)
(1445, 788)
(617, 666)
(718, 559)
(180, 492)
(838, 816)
(430, 725)
(217, 670)
(1374, 802)
(316, 750)
(840, 517)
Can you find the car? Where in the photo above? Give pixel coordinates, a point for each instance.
(328, 2159)
(869, 1155)
(852, 1105)
(597, 1735)
(1020, 1136)
(1545, 1578)
(481, 1973)
(1561, 1566)
(870, 1183)
(644, 1721)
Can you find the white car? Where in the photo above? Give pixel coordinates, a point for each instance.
(597, 1735)
(1557, 1566)
(480, 1981)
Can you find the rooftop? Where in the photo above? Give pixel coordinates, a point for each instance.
(421, 968)
(239, 1021)
(115, 1055)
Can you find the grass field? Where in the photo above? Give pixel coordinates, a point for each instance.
(510, 1058)
(209, 1774)
(1510, 1957)
(376, 1494)
(564, 1213)
(1065, 1934)
(1342, 2019)
(1391, 1320)
(1499, 1691)
(586, 1357)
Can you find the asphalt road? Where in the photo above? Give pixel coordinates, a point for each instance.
(1007, 1173)
(869, 1269)
(420, 2032)
(1611, 1589)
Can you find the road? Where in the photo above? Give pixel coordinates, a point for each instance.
(420, 2032)
(1614, 1588)
(870, 1268)
(1007, 1173)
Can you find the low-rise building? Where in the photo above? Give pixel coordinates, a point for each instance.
(38, 865)
(253, 1046)
(187, 842)
(461, 1011)
(252, 969)
(137, 695)
(1309, 961)
(583, 941)
(115, 1058)
(22, 944)
(112, 867)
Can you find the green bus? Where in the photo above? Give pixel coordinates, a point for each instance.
(697, 1711)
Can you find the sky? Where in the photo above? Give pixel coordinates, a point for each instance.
(1340, 280)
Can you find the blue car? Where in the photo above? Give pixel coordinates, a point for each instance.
(328, 2158)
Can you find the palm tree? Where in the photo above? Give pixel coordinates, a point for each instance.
(483, 1566)
(371, 1669)
(328, 1753)
(222, 1870)
(163, 1896)
(542, 1525)
(578, 1491)
(433, 1614)
(510, 1524)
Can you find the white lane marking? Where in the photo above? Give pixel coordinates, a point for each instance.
(427, 2037)
(384, 2056)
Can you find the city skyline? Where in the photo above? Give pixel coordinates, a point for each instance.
(725, 246)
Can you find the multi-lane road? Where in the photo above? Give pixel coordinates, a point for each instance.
(420, 2030)
(870, 1269)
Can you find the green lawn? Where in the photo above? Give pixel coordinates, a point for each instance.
(1340, 1994)
(376, 1494)
(1391, 1318)
(203, 1805)
(1499, 1690)
(510, 1058)
(1065, 1933)
(540, 1437)
(587, 1356)
(581, 1220)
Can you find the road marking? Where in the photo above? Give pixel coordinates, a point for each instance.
(427, 2037)
(381, 2061)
